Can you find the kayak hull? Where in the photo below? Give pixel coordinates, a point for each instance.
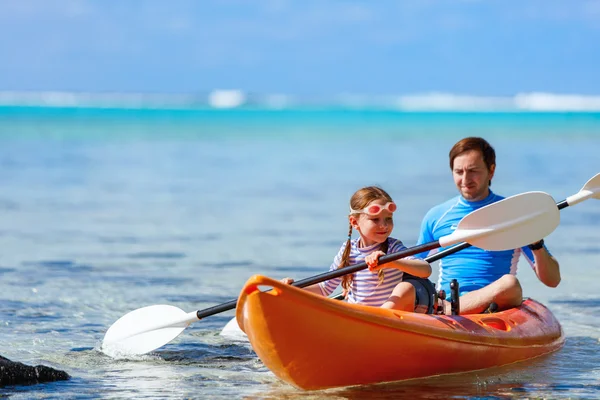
(313, 342)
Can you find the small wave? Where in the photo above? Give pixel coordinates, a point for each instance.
(579, 303)
(60, 265)
(235, 98)
(301, 269)
(556, 102)
(453, 102)
(226, 264)
(117, 353)
(226, 98)
(156, 255)
(218, 356)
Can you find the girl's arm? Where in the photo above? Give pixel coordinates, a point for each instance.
(331, 284)
(417, 267)
(312, 288)
(315, 289)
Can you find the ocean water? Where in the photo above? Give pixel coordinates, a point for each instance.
(107, 210)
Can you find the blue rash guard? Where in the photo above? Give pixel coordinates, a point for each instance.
(473, 267)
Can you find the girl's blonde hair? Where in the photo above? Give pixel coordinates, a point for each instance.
(359, 200)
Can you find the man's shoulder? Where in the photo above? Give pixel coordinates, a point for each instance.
(443, 207)
(497, 197)
(458, 201)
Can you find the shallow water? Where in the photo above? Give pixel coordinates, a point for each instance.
(106, 212)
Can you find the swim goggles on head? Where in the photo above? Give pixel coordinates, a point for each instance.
(376, 209)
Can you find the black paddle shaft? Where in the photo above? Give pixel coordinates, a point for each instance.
(207, 312)
(230, 305)
(354, 268)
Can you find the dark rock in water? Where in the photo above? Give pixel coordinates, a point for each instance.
(16, 373)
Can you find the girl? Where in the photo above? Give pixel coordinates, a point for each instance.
(371, 211)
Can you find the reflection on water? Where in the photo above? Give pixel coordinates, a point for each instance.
(98, 220)
(143, 380)
(185, 372)
(531, 379)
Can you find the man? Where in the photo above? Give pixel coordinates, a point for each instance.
(483, 276)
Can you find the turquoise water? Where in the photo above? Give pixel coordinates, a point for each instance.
(107, 210)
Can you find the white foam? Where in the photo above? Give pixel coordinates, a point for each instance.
(433, 101)
(226, 98)
(453, 102)
(556, 102)
(520, 102)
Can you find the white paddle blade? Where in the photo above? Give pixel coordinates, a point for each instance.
(233, 332)
(508, 224)
(144, 330)
(590, 189)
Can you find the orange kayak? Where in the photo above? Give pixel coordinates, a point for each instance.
(313, 342)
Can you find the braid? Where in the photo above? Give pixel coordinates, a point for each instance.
(347, 279)
(359, 200)
(380, 274)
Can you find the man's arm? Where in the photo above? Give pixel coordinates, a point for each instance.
(546, 267)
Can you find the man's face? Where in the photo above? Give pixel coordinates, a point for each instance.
(471, 175)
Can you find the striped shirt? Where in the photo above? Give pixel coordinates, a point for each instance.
(365, 288)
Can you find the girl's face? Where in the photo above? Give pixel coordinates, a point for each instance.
(373, 228)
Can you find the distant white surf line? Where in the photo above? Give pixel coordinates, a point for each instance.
(520, 102)
(556, 102)
(228, 99)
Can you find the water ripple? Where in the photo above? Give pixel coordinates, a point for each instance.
(156, 255)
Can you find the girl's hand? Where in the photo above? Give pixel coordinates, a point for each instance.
(287, 281)
(372, 260)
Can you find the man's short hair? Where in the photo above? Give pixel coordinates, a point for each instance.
(474, 143)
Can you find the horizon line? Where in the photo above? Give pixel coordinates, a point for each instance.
(234, 98)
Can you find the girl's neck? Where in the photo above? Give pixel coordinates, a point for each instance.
(362, 243)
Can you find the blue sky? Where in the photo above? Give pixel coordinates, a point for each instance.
(306, 47)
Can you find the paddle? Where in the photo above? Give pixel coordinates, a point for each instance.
(591, 189)
(507, 224)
